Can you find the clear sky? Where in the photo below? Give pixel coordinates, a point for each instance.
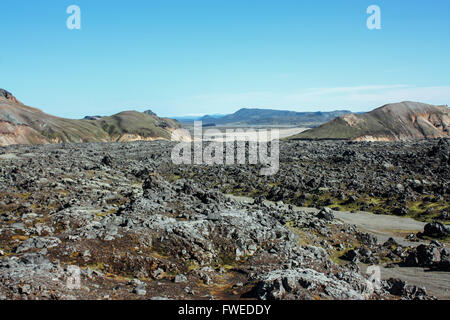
(184, 57)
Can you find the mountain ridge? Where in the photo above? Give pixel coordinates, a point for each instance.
(21, 124)
(257, 116)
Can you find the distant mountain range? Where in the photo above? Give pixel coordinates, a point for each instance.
(247, 116)
(20, 124)
(391, 122)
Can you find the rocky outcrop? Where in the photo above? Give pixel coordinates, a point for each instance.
(149, 112)
(304, 284)
(8, 96)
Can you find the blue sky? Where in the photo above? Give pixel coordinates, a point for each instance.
(183, 57)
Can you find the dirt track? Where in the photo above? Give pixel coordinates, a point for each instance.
(383, 226)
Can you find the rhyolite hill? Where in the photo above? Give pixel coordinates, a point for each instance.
(21, 124)
(392, 122)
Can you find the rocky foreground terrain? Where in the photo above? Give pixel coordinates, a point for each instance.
(139, 227)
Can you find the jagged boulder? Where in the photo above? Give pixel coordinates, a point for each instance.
(326, 214)
(436, 230)
(38, 243)
(400, 288)
(429, 256)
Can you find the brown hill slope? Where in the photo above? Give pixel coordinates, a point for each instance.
(391, 122)
(20, 124)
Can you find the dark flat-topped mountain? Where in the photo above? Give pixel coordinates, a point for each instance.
(272, 117)
(20, 124)
(391, 122)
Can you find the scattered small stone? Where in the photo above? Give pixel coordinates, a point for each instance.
(140, 290)
(390, 243)
(180, 278)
